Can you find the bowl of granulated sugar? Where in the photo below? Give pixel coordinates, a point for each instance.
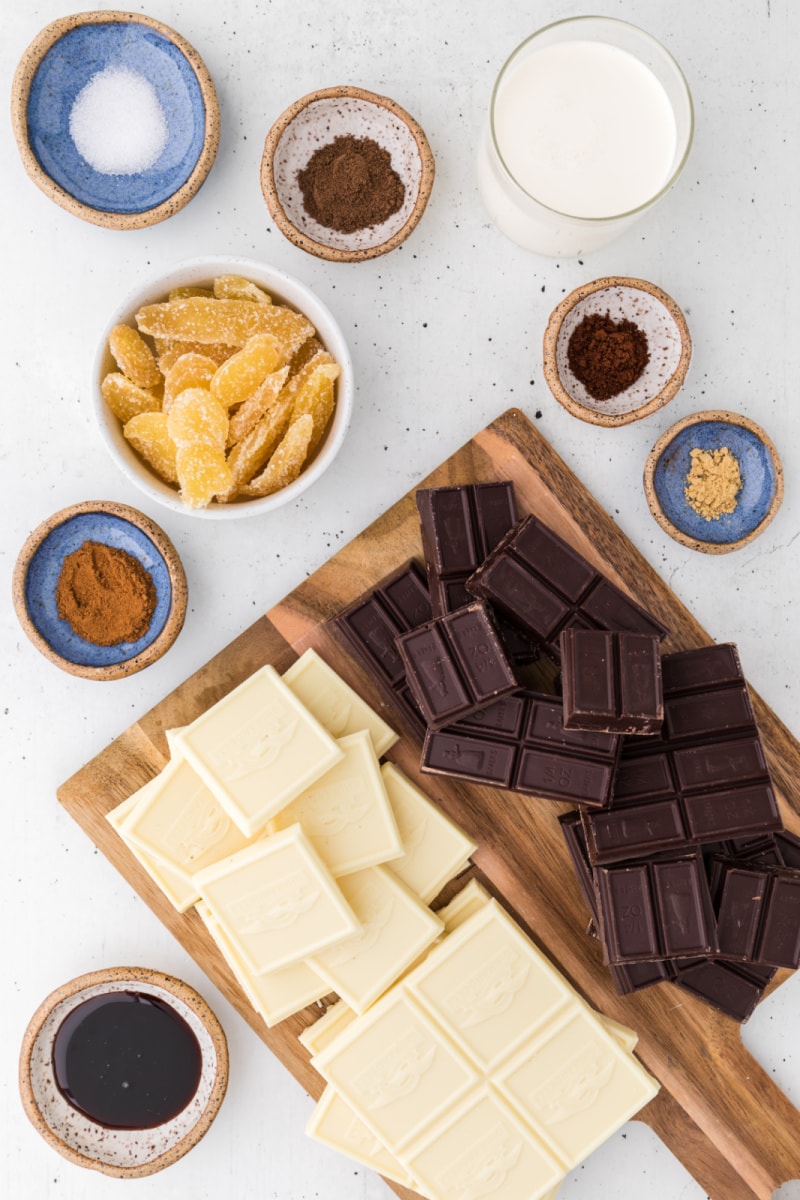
(116, 118)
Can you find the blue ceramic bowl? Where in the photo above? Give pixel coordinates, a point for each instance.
(39, 566)
(57, 67)
(762, 481)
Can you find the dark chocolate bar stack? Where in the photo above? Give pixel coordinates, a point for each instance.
(678, 844)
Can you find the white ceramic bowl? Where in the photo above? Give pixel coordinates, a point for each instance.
(197, 272)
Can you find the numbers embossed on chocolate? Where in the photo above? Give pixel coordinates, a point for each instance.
(126, 1060)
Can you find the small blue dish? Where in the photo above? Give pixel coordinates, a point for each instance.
(668, 466)
(58, 66)
(37, 573)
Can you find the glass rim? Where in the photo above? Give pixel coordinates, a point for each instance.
(585, 18)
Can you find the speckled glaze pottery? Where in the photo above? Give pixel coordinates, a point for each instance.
(122, 1153)
(39, 566)
(58, 64)
(668, 465)
(314, 121)
(668, 339)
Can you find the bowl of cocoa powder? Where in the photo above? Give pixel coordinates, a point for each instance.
(346, 174)
(616, 350)
(100, 590)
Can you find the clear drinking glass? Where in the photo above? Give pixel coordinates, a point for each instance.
(523, 216)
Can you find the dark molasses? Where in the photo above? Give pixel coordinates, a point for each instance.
(127, 1060)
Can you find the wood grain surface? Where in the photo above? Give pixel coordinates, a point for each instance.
(718, 1111)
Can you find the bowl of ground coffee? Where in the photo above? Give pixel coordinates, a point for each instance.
(346, 173)
(99, 590)
(616, 350)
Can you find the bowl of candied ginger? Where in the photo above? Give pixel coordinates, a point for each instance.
(223, 388)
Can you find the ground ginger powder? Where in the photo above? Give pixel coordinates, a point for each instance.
(713, 483)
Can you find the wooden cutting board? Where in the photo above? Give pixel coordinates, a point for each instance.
(718, 1111)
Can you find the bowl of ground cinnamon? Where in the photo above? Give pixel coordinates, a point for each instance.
(99, 590)
(714, 481)
(346, 174)
(616, 350)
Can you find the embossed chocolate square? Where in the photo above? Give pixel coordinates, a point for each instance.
(611, 681)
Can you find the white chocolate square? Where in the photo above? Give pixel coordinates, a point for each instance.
(334, 703)
(575, 1084)
(396, 928)
(346, 814)
(483, 1150)
(257, 749)
(434, 848)
(397, 1069)
(171, 735)
(334, 1124)
(276, 901)
(489, 986)
(178, 889)
(275, 995)
(471, 899)
(327, 1027)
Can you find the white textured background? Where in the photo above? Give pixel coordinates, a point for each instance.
(445, 334)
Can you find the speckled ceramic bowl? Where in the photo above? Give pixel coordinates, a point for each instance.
(36, 576)
(314, 121)
(122, 1153)
(170, 76)
(668, 465)
(668, 340)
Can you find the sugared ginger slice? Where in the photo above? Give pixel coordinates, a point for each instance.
(133, 356)
(126, 399)
(148, 435)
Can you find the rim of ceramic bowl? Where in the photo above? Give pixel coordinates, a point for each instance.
(178, 587)
(20, 93)
(173, 987)
(270, 190)
(550, 346)
(728, 418)
(286, 288)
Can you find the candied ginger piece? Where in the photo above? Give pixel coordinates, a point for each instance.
(125, 399)
(236, 287)
(196, 418)
(237, 379)
(147, 433)
(309, 348)
(168, 352)
(250, 454)
(250, 413)
(287, 462)
(198, 319)
(182, 293)
(188, 371)
(133, 356)
(316, 398)
(202, 473)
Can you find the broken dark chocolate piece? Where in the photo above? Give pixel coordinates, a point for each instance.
(611, 681)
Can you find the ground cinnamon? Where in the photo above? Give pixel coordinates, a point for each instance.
(350, 184)
(105, 594)
(607, 356)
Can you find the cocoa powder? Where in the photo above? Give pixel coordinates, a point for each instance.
(350, 184)
(607, 356)
(105, 595)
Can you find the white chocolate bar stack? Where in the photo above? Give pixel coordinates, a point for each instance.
(310, 863)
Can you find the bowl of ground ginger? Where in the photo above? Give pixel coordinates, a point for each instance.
(100, 590)
(714, 481)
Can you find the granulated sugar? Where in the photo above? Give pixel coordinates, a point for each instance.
(117, 123)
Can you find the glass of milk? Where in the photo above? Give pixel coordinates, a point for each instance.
(590, 123)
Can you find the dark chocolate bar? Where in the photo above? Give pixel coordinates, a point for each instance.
(519, 744)
(371, 624)
(758, 913)
(546, 586)
(703, 779)
(611, 681)
(728, 987)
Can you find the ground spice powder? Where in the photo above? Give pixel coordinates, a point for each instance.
(713, 482)
(105, 594)
(607, 356)
(350, 184)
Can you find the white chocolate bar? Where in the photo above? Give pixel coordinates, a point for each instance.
(472, 897)
(276, 995)
(276, 901)
(434, 848)
(396, 928)
(334, 1124)
(483, 1150)
(179, 890)
(257, 749)
(334, 703)
(346, 814)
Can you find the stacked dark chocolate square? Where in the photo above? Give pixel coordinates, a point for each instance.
(678, 844)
